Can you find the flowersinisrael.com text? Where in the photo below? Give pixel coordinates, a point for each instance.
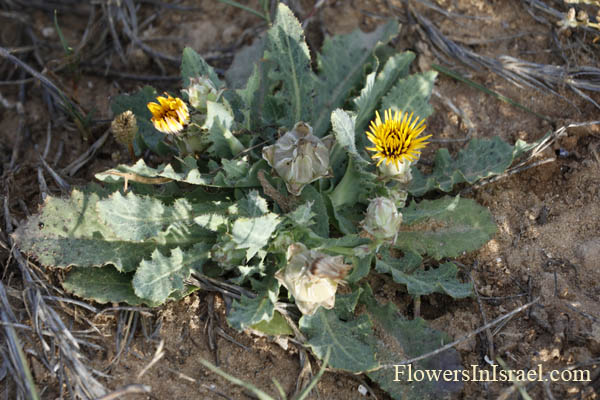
(495, 373)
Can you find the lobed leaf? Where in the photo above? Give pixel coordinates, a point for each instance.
(254, 233)
(482, 158)
(70, 232)
(253, 205)
(238, 173)
(420, 282)
(141, 171)
(250, 311)
(352, 342)
(247, 312)
(160, 276)
(140, 218)
(277, 326)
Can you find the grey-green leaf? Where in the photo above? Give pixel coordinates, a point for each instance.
(247, 312)
(445, 227)
(377, 85)
(139, 218)
(420, 282)
(254, 233)
(482, 158)
(160, 276)
(103, 285)
(343, 125)
(193, 65)
(188, 173)
(287, 49)
(401, 339)
(411, 94)
(352, 343)
(69, 232)
(253, 205)
(341, 67)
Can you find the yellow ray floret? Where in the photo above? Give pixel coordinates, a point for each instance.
(396, 139)
(170, 114)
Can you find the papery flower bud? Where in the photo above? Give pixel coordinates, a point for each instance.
(299, 157)
(312, 277)
(124, 127)
(383, 219)
(200, 91)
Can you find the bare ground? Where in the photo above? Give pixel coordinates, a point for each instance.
(547, 246)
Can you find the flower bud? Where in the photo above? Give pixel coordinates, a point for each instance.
(400, 172)
(124, 127)
(383, 219)
(312, 277)
(299, 157)
(200, 91)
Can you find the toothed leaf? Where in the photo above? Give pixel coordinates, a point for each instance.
(445, 227)
(193, 65)
(411, 94)
(341, 67)
(287, 50)
(352, 342)
(400, 339)
(103, 285)
(160, 276)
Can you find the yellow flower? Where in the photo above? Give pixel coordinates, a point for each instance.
(170, 114)
(396, 139)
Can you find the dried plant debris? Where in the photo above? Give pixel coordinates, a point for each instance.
(542, 77)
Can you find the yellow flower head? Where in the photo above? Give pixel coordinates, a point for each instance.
(170, 114)
(397, 139)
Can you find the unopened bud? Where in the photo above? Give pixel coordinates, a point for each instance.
(299, 157)
(312, 277)
(400, 172)
(383, 219)
(200, 91)
(124, 127)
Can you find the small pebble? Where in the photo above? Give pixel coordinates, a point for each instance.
(362, 390)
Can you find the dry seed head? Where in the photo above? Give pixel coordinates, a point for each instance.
(299, 157)
(124, 127)
(312, 277)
